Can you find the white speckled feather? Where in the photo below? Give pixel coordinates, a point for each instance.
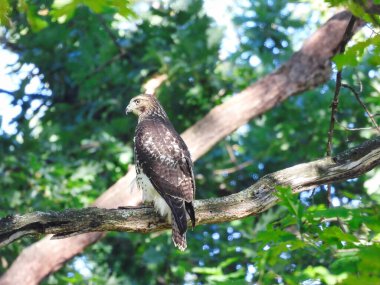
(151, 195)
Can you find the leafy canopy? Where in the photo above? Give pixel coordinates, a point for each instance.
(72, 139)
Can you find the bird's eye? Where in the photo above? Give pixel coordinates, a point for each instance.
(137, 101)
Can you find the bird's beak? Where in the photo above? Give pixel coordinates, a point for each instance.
(128, 110)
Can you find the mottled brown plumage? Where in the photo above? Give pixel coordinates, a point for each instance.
(163, 165)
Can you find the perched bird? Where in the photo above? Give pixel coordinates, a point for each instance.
(163, 166)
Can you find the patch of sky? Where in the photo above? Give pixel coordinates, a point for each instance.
(81, 265)
(215, 251)
(285, 255)
(355, 203)
(251, 270)
(254, 61)
(222, 12)
(372, 73)
(335, 202)
(255, 176)
(205, 247)
(10, 82)
(215, 236)
(190, 278)
(311, 282)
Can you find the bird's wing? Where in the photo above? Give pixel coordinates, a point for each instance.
(165, 160)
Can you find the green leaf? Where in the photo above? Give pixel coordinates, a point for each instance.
(353, 55)
(64, 10)
(320, 272)
(331, 234)
(208, 270)
(287, 199)
(5, 8)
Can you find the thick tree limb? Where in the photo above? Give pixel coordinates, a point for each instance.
(306, 69)
(253, 200)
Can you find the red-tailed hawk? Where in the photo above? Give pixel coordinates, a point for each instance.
(163, 165)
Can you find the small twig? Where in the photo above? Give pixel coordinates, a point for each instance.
(101, 67)
(372, 29)
(335, 219)
(355, 129)
(363, 105)
(343, 226)
(231, 154)
(345, 128)
(122, 53)
(334, 109)
(348, 250)
(334, 105)
(7, 92)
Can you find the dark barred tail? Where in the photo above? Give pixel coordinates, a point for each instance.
(178, 239)
(190, 210)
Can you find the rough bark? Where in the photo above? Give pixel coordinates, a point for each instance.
(306, 69)
(253, 200)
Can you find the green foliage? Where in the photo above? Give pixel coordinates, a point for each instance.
(72, 140)
(359, 8)
(63, 10)
(4, 10)
(353, 55)
(39, 13)
(339, 241)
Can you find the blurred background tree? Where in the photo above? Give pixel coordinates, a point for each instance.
(70, 140)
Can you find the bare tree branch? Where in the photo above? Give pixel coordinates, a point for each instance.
(257, 198)
(335, 102)
(152, 84)
(233, 169)
(371, 117)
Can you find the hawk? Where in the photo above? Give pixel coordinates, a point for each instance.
(163, 166)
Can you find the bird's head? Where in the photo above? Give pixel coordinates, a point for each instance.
(143, 105)
(139, 104)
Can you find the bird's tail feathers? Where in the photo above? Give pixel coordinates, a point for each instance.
(190, 210)
(179, 239)
(177, 207)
